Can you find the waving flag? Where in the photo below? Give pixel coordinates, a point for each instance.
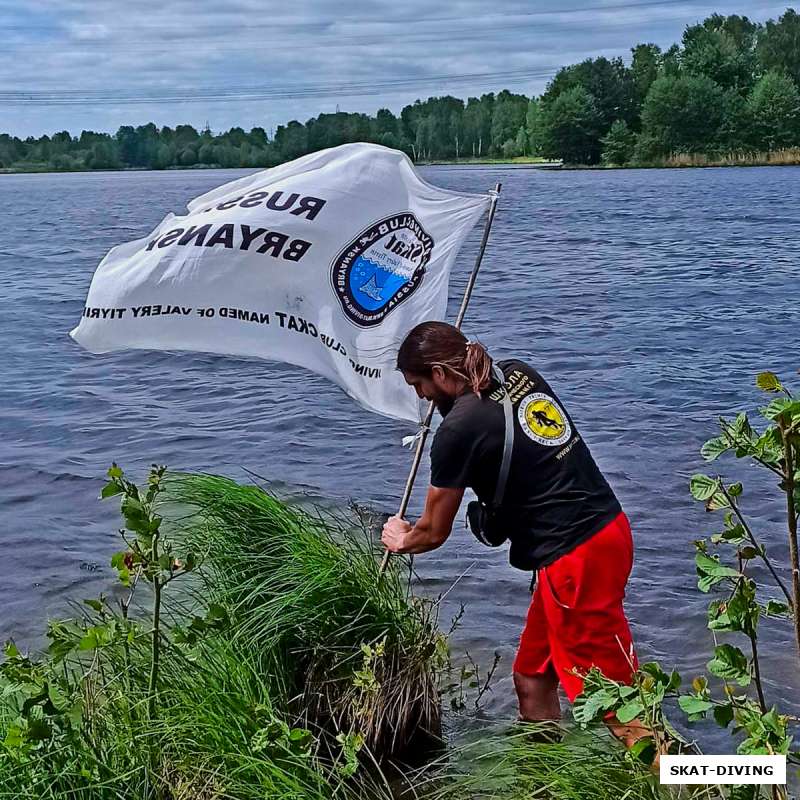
(325, 262)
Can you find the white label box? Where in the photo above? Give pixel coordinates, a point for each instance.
(723, 769)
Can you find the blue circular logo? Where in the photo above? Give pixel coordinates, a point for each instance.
(380, 268)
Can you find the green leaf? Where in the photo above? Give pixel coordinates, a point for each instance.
(14, 737)
(672, 731)
(781, 408)
(710, 565)
(769, 382)
(300, 740)
(714, 448)
(752, 746)
(711, 572)
(97, 605)
(730, 663)
(657, 681)
(96, 636)
(741, 426)
(717, 501)
(11, 650)
(145, 541)
(643, 750)
(769, 445)
(743, 611)
(216, 612)
(135, 518)
(57, 697)
(739, 613)
(723, 715)
(773, 722)
(733, 535)
(111, 489)
(749, 552)
(692, 705)
(587, 708)
(114, 472)
(702, 487)
(775, 608)
(708, 489)
(718, 619)
(629, 711)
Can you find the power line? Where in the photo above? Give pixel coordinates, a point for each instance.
(361, 89)
(238, 93)
(211, 90)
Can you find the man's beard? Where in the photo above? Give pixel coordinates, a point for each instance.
(444, 404)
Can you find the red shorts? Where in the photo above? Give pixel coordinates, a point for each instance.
(576, 620)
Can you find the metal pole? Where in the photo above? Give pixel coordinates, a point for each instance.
(412, 475)
(474, 275)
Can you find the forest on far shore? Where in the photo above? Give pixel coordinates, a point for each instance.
(730, 87)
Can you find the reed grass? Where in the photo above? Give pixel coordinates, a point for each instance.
(583, 765)
(786, 157)
(209, 737)
(303, 590)
(314, 639)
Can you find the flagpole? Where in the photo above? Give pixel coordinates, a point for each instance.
(412, 475)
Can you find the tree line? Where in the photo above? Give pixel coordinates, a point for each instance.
(730, 86)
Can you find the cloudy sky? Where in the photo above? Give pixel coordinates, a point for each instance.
(99, 64)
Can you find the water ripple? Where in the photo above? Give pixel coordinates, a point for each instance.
(649, 299)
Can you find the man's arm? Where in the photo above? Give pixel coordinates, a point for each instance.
(432, 528)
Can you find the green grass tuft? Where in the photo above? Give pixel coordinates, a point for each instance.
(584, 765)
(347, 648)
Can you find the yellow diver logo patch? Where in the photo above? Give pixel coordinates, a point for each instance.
(543, 419)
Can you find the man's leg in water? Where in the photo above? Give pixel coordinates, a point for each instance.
(538, 696)
(582, 597)
(535, 678)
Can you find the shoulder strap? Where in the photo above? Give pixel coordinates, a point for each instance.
(508, 445)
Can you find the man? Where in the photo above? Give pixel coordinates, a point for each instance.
(559, 513)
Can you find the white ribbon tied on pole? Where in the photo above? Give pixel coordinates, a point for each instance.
(325, 262)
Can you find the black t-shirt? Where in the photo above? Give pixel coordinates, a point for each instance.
(555, 497)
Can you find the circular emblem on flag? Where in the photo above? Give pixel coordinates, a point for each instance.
(380, 268)
(543, 419)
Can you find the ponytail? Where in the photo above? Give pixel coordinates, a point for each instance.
(437, 344)
(477, 366)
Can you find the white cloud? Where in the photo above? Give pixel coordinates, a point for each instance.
(126, 50)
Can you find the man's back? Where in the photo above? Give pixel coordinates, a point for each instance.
(556, 497)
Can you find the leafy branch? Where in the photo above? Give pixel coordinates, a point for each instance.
(737, 610)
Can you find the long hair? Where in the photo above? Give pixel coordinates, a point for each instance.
(437, 344)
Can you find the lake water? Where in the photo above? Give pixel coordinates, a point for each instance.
(649, 299)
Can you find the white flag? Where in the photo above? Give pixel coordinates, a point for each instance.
(325, 262)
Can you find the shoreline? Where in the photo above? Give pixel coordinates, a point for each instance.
(513, 163)
(517, 163)
(557, 165)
